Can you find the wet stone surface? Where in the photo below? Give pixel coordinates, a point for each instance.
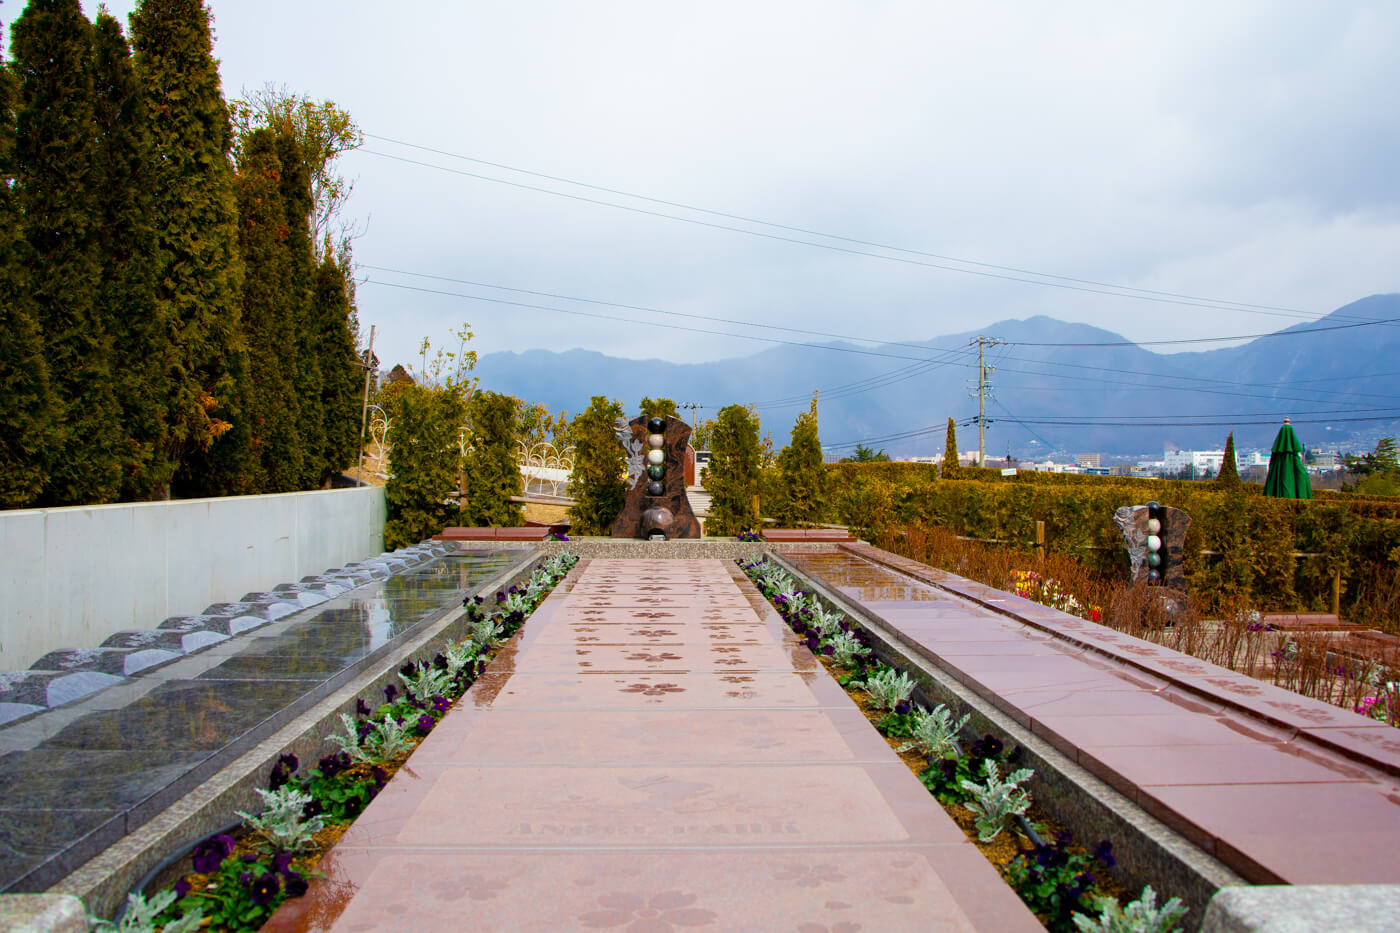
(120, 758)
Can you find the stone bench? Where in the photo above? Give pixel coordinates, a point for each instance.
(783, 535)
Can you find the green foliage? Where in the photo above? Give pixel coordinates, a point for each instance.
(863, 454)
(56, 183)
(342, 377)
(1229, 468)
(950, 451)
(424, 461)
(1254, 536)
(200, 274)
(1379, 470)
(995, 801)
(273, 297)
(27, 417)
(127, 244)
(597, 482)
(701, 433)
(492, 472)
(658, 407)
(1141, 916)
(802, 501)
(733, 477)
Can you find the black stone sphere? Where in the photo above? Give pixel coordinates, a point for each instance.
(656, 471)
(656, 489)
(656, 426)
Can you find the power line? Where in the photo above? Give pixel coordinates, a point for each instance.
(1047, 280)
(831, 236)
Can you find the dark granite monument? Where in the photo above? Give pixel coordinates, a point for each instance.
(656, 506)
(1155, 535)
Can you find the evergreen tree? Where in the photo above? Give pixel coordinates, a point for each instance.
(492, 472)
(950, 452)
(342, 382)
(126, 238)
(295, 184)
(270, 317)
(597, 483)
(658, 407)
(200, 274)
(27, 415)
(56, 184)
(424, 460)
(803, 499)
(733, 477)
(1229, 469)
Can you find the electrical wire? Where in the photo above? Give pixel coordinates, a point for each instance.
(1061, 282)
(1125, 289)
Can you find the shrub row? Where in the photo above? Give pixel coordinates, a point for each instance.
(1253, 537)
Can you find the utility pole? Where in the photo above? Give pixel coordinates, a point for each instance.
(692, 406)
(984, 388)
(364, 407)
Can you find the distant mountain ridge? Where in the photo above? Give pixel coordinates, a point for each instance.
(875, 394)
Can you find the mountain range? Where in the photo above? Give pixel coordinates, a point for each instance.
(1056, 387)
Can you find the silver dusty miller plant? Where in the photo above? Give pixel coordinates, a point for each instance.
(996, 802)
(827, 621)
(846, 648)
(428, 682)
(387, 738)
(141, 914)
(935, 734)
(1141, 916)
(281, 823)
(888, 687)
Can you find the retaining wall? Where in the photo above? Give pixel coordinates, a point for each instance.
(71, 577)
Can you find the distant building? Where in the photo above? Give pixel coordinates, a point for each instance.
(1196, 462)
(1087, 460)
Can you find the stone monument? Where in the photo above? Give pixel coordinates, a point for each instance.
(656, 507)
(1155, 535)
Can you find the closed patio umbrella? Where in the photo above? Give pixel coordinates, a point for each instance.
(1288, 475)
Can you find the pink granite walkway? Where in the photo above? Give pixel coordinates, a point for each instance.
(1281, 788)
(656, 752)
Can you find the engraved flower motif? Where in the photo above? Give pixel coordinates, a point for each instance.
(653, 690)
(660, 913)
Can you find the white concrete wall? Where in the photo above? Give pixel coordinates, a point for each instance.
(71, 577)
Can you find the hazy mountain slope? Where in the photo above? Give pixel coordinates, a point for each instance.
(873, 394)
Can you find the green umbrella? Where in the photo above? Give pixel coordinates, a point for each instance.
(1288, 476)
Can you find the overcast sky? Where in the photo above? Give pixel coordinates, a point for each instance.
(1234, 151)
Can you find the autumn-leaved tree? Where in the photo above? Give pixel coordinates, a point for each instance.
(490, 468)
(802, 502)
(200, 274)
(733, 476)
(597, 484)
(27, 414)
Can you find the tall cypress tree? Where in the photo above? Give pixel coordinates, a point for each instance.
(599, 464)
(342, 379)
(297, 202)
(950, 452)
(200, 274)
(27, 415)
(733, 478)
(803, 474)
(1229, 467)
(56, 183)
(491, 469)
(127, 242)
(270, 318)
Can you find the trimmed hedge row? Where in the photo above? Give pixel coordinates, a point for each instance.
(1254, 536)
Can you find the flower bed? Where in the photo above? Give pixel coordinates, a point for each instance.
(1067, 887)
(237, 880)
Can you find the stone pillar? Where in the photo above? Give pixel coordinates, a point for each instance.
(1133, 520)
